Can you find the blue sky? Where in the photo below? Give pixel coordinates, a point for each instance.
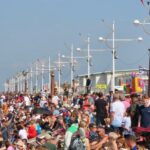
(31, 29)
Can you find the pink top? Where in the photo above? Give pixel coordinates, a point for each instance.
(10, 148)
(126, 103)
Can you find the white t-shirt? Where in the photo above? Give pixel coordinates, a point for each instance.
(23, 134)
(55, 100)
(27, 101)
(127, 122)
(127, 125)
(11, 108)
(42, 103)
(118, 109)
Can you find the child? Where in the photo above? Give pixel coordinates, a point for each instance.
(127, 123)
(93, 135)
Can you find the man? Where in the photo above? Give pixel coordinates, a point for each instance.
(88, 85)
(101, 108)
(144, 111)
(117, 112)
(134, 110)
(55, 99)
(110, 99)
(27, 101)
(43, 102)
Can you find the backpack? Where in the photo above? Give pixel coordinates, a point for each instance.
(77, 144)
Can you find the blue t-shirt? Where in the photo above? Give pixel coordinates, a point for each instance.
(145, 116)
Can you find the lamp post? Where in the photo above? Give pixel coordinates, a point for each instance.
(36, 77)
(44, 69)
(89, 50)
(114, 40)
(25, 73)
(49, 73)
(42, 77)
(31, 82)
(59, 65)
(143, 23)
(72, 61)
(88, 56)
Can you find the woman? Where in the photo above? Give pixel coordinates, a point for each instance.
(82, 132)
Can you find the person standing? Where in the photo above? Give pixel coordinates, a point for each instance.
(144, 111)
(27, 101)
(134, 110)
(101, 109)
(117, 112)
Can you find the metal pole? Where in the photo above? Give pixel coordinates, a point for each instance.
(59, 72)
(31, 83)
(5, 87)
(20, 83)
(113, 58)
(149, 76)
(72, 65)
(42, 77)
(49, 65)
(88, 59)
(18, 79)
(36, 78)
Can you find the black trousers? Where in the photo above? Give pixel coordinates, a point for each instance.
(100, 120)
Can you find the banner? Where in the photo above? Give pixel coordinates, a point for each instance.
(101, 86)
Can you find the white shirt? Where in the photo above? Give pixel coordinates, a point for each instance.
(55, 100)
(11, 108)
(127, 125)
(127, 122)
(42, 103)
(27, 101)
(118, 109)
(23, 134)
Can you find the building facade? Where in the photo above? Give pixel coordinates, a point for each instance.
(103, 80)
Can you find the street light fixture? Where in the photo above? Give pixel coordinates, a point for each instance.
(145, 22)
(72, 61)
(59, 65)
(78, 49)
(136, 22)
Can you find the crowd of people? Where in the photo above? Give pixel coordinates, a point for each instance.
(96, 121)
